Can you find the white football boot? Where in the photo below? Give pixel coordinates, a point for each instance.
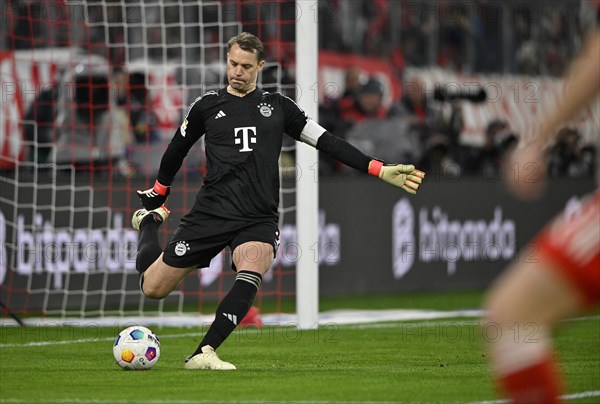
(208, 359)
(160, 215)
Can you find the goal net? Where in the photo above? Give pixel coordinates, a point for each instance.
(92, 93)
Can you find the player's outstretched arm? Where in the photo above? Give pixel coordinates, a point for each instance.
(406, 177)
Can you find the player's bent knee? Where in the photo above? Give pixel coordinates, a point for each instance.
(154, 292)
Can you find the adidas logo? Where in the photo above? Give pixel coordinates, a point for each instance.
(221, 114)
(231, 317)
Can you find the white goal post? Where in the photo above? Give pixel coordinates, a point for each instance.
(307, 187)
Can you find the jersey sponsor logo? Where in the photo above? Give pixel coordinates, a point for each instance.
(181, 248)
(220, 114)
(265, 109)
(245, 136)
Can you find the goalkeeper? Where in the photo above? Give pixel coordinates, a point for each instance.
(237, 206)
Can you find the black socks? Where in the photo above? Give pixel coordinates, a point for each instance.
(148, 246)
(232, 309)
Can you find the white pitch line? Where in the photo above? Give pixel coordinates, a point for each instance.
(88, 340)
(247, 330)
(202, 401)
(585, 394)
(166, 336)
(283, 319)
(572, 396)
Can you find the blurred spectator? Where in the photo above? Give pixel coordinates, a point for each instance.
(91, 131)
(329, 108)
(487, 160)
(415, 32)
(526, 37)
(487, 31)
(376, 38)
(360, 102)
(437, 157)
(26, 24)
(330, 31)
(132, 96)
(557, 43)
(505, 142)
(568, 158)
(545, 37)
(38, 125)
(412, 107)
(419, 112)
(354, 79)
(366, 103)
(454, 31)
(390, 139)
(528, 59)
(330, 114)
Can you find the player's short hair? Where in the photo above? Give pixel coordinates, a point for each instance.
(249, 43)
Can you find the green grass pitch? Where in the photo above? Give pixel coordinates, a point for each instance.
(417, 361)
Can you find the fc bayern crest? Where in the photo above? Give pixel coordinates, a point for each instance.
(265, 109)
(181, 248)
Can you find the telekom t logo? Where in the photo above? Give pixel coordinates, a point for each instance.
(248, 135)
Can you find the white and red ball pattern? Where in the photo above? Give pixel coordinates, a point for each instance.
(136, 348)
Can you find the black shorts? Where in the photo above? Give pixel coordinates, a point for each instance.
(197, 243)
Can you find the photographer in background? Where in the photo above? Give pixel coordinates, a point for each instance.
(487, 160)
(568, 158)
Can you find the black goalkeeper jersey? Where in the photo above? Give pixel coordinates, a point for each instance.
(243, 138)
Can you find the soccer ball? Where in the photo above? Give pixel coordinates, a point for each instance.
(136, 348)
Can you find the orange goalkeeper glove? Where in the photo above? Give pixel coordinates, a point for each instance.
(400, 175)
(155, 197)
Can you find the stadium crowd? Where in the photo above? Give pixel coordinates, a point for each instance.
(528, 38)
